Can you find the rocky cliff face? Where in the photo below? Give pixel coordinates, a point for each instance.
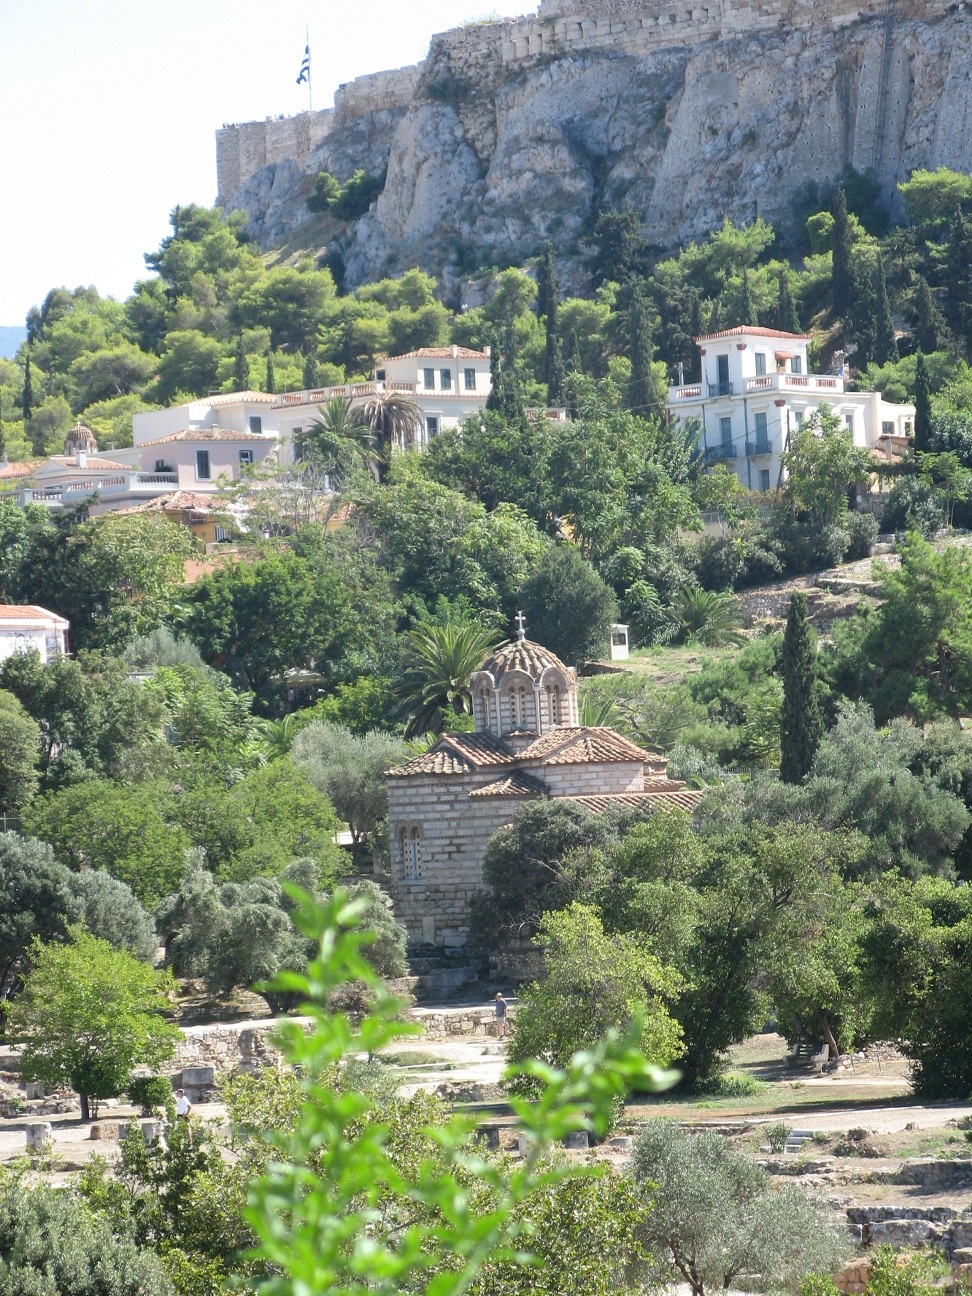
(516, 133)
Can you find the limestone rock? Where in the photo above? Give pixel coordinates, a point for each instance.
(903, 1233)
(104, 1131)
(39, 1136)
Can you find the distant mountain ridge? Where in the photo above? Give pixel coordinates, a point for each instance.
(11, 336)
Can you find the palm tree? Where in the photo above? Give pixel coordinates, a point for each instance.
(273, 738)
(394, 417)
(440, 661)
(341, 440)
(710, 618)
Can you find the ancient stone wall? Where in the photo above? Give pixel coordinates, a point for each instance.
(244, 149)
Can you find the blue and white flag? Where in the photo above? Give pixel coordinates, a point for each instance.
(305, 67)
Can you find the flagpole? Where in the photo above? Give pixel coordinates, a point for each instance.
(310, 93)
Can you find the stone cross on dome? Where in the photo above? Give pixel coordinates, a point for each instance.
(520, 626)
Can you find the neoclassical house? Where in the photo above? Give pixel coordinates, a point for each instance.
(528, 743)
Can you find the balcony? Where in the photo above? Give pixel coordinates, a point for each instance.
(758, 447)
(727, 450)
(783, 382)
(719, 389)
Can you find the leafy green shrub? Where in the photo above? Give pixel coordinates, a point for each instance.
(912, 505)
(356, 196)
(776, 1136)
(327, 190)
(150, 1092)
(862, 530)
(735, 1084)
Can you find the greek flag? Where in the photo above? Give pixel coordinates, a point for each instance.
(305, 67)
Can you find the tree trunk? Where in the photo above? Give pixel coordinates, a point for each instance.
(829, 1036)
(85, 1115)
(943, 674)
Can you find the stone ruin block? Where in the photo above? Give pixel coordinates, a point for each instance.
(576, 1141)
(39, 1136)
(197, 1077)
(104, 1131)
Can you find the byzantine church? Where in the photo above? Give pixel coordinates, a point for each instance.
(527, 744)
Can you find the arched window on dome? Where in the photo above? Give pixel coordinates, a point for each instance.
(483, 699)
(554, 695)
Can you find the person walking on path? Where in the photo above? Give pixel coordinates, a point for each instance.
(500, 1016)
(183, 1108)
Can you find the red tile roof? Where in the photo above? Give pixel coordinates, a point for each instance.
(583, 746)
(91, 461)
(753, 330)
(521, 655)
(686, 800)
(457, 754)
(230, 398)
(194, 501)
(27, 611)
(206, 434)
(440, 353)
(22, 468)
(515, 784)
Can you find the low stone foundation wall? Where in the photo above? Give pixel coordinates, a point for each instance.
(440, 1023)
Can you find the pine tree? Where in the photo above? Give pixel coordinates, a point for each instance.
(747, 310)
(309, 378)
(555, 371)
(885, 343)
(494, 399)
(28, 399)
(801, 723)
(958, 292)
(923, 410)
(241, 367)
(787, 319)
(860, 321)
(843, 277)
(573, 366)
(641, 350)
(270, 383)
(928, 319)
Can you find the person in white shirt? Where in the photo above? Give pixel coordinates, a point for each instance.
(183, 1108)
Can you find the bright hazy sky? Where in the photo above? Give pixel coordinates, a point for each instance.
(108, 110)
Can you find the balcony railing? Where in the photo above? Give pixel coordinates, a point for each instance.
(795, 382)
(758, 447)
(719, 389)
(727, 450)
(692, 392)
(357, 391)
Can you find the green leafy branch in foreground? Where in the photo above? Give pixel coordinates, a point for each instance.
(338, 1212)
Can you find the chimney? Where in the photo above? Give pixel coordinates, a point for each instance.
(487, 350)
(455, 352)
(81, 459)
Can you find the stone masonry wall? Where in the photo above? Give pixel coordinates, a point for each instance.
(454, 830)
(245, 148)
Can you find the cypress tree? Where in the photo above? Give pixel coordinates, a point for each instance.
(555, 370)
(747, 310)
(958, 292)
(494, 399)
(885, 343)
(547, 285)
(241, 367)
(923, 410)
(640, 352)
(801, 724)
(270, 384)
(28, 398)
(843, 276)
(928, 319)
(787, 319)
(573, 364)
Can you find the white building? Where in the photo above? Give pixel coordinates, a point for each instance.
(25, 626)
(755, 393)
(448, 383)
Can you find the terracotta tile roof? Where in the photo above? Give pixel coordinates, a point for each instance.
(206, 434)
(585, 746)
(230, 398)
(521, 655)
(686, 800)
(27, 611)
(194, 501)
(457, 754)
(513, 785)
(23, 468)
(91, 461)
(440, 353)
(753, 330)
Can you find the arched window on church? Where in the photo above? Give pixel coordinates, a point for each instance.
(519, 698)
(554, 704)
(484, 707)
(411, 853)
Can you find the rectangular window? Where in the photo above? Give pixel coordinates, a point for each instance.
(221, 534)
(762, 437)
(256, 424)
(431, 427)
(764, 479)
(798, 415)
(722, 367)
(202, 465)
(246, 458)
(725, 431)
(379, 375)
(796, 365)
(760, 363)
(849, 422)
(445, 376)
(428, 379)
(887, 429)
(469, 376)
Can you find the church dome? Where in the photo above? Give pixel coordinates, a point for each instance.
(523, 690)
(80, 438)
(524, 656)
